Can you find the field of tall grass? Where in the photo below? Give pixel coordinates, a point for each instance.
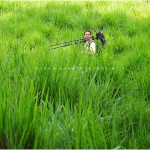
(62, 98)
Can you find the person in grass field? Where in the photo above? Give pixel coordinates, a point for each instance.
(89, 46)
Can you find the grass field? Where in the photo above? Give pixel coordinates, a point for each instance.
(62, 98)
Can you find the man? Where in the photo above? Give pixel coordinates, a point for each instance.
(89, 46)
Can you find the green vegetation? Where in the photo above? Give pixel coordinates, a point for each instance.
(63, 99)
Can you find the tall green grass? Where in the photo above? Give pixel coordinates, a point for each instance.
(63, 99)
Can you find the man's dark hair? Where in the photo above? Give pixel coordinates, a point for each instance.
(88, 31)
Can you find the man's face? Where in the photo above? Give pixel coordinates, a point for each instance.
(87, 36)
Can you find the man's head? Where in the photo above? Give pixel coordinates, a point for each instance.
(88, 35)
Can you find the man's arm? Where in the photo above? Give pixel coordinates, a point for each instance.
(92, 48)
